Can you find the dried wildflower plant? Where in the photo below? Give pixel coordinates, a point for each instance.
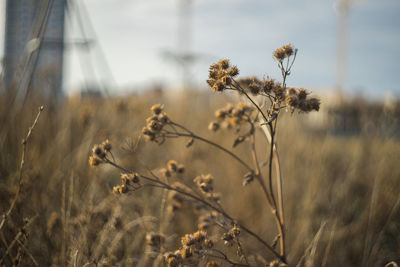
(245, 118)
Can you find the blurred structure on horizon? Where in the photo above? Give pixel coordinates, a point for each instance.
(34, 47)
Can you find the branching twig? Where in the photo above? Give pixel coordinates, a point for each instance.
(205, 202)
(21, 168)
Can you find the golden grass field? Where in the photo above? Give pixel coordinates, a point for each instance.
(341, 193)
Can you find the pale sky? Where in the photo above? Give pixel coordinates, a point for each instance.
(133, 35)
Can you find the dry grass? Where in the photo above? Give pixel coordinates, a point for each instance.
(341, 194)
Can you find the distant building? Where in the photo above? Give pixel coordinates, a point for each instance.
(24, 19)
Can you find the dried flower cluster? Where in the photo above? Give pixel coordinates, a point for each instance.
(230, 116)
(129, 181)
(230, 236)
(284, 52)
(276, 92)
(221, 75)
(205, 185)
(99, 153)
(297, 99)
(172, 168)
(155, 123)
(244, 118)
(192, 245)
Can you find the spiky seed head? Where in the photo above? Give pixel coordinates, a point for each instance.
(157, 109)
(224, 63)
(94, 161)
(213, 126)
(172, 166)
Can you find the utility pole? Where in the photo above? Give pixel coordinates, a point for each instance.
(31, 63)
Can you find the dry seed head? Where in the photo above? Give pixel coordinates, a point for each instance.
(224, 63)
(157, 109)
(291, 91)
(292, 101)
(228, 239)
(279, 54)
(123, 189)
(187, 252)
(221, 73)
(213, 126)
(124, 178)
(216, 197)
(172, 262)
(99, 151)
(268, 85)
(94, 161)
(188, 240)
(133, 178)
(314, 103)
(149, 135)
(244, 106)
(213, 73)
(172, 166)
(146, 131)
(163, 118)
(200, 236)
(116, 189)
(165, 172)
(219, 86)
(288, 50)
(211, 82)
(234, 121)
(237, 112)
(207, 179)
(220, 113)
(233, 71)
(302, 94)
(235, 231)
(155, 126)
(309, 105)
(181, 169)
(106, 145)
(226, 80)
(254, 88)
(214, 66)
(284, 52)
(175, 201)
(178, 255)
(152, 118)
(279, 91)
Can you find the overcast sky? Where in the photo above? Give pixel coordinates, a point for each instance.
(133, 35)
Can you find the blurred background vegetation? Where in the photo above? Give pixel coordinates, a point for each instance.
(340, 166)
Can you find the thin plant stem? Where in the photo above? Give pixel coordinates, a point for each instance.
(273, 207)
(206, 203)
(21, 167)
(193, 135)
(225, 257)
